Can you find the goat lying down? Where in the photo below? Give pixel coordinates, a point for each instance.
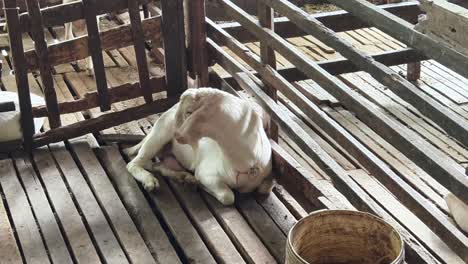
(219, 137)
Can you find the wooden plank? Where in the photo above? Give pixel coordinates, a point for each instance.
(94, 46)
(213, 234)
(278, 211)
(197, 43)
(445, 170)
(69, 217)
(29, 236)
(53, 238)
(454, 125)
(103, 122)
(404, 32)
(9, 252)
(116, 94)
(137, 205)
(190, 243)
(408, 219)
(174, 45)
(265, 228)
(245, 239)
(17, 53)
(134, 246)
(296, 209)
(139, 45)
(96, 222)
(44, 66)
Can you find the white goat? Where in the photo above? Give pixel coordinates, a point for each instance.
(218, 136)
(10, 125)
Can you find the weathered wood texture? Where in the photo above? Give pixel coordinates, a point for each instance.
(197, 42)
(94, 46)
(447, 22)
(60, 14)
(44, 66)
(21, 73)
(174, 45)
(140, 52)
(338, 21)
(371, 162)
(78, 48)
(116, 94)
(404, 32)
(431, 159)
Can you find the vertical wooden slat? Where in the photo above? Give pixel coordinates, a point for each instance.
(146, 12)
(267, 55)
(139, 45)
(174, 46)
(413, 72)
(40, 46)
(94, 43)
(197, 42)
(21, 73)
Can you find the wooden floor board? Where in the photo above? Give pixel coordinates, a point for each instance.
(75, 231)
(137, 205)
(125, 229)
(30, 238)
(100, 230)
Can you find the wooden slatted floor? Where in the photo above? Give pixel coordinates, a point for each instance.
(76, 202)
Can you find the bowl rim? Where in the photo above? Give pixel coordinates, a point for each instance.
(398, 259)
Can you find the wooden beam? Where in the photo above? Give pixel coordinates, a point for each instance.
(44, 66)
(116, 94)
(445, 170)
(7, 107)
(78, 48)
(425, 210)
(21, 72)
(174, 46)
(60, 14)
(104, 121)
(94, 46)
(197, 42)
(140, 51)
(338, 21)
(405, 32)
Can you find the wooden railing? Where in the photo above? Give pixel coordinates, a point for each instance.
(168, 26)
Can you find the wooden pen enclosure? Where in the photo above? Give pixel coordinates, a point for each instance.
(367, 114)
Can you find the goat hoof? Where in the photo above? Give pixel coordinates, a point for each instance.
(227, 198)
(151, 184)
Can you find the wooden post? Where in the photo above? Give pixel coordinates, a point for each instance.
(197, 42)
(413, 71)
(44, 66)
(21, 73)
(140, 52)
(94, 45)
(267, 55)
(174, 46)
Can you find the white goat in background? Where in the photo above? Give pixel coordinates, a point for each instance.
(10, 125)
(219, 137)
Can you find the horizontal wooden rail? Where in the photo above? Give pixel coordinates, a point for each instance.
(61, 14)
(116, 94)
(104, 121)
(7, 106)
(76, 49)
(404, 32)
(453, 124)
(414, 200)
(338, 21)
(445, 170)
